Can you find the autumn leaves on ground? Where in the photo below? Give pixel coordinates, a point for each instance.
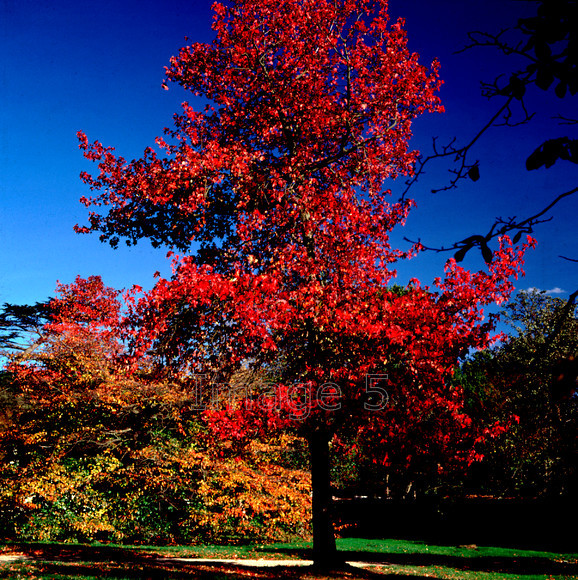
(280, 364)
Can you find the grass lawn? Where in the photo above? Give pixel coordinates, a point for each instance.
(381, 558)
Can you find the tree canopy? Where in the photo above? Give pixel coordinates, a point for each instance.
(531, 378)
(276, 197)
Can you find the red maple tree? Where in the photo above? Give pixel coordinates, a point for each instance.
(275, 195)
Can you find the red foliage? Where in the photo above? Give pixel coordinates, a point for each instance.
(87, 306)
(80, 346)
(281, 183)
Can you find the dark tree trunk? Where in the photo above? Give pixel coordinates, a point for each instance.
(324, 549)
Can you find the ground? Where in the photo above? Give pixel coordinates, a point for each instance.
(367, 559)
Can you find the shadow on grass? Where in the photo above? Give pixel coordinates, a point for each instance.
(62, 561)
(46, 561)
(519, 564)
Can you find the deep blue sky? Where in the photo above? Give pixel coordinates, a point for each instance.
(98, 66)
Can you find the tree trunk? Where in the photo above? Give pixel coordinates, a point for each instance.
(324, 548)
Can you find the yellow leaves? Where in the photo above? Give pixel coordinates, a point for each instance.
(122, 498)
(90, 524)
(124, 459)
(265, 501)
(51, 481)
(35, 438)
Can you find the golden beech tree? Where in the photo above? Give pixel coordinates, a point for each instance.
(91, 448)
(275, 194)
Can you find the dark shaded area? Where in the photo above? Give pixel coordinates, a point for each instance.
(548, 525)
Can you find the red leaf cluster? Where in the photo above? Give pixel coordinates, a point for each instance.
(276, 196)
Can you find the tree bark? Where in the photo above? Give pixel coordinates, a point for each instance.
(324, 548)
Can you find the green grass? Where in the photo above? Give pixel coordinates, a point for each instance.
(387, 558)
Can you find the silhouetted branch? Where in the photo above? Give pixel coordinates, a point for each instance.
(464, 168)
(499, 228)
(566, 120)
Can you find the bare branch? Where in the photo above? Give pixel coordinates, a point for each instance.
(459, 154)
(499, 228)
